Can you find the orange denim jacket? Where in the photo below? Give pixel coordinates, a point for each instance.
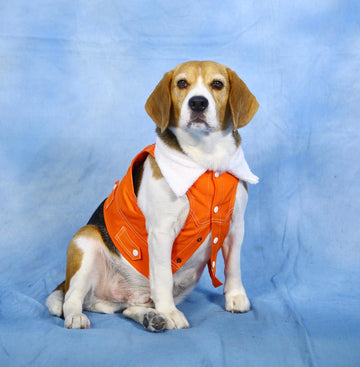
(211, 199)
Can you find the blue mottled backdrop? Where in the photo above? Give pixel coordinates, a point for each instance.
(75, 74)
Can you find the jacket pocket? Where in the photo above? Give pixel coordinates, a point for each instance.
(127, 245)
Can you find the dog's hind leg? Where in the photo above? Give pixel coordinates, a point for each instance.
(101, 306)
(147, 317)
(80, 275)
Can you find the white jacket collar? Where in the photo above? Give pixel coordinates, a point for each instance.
(181, 172)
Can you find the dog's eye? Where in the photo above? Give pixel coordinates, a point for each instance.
(182, 84)
(217, 84)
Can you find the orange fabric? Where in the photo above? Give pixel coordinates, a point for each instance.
(211, 200)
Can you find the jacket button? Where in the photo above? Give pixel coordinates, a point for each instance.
(215, 240)
(199, 239)
(217, 174)
(178, 260)
(216, 209)
(135, 252)
(213, 264)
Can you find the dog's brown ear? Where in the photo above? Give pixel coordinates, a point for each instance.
(158, 104)
(243, 104)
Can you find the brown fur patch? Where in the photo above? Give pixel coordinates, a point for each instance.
(169, 139)
(158, 105)
(74, 259)
(237, 138)
(60, 287)
(75, 255)
(227, 118)
(242, 102)
(155, 168)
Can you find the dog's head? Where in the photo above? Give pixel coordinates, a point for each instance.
(201, 96)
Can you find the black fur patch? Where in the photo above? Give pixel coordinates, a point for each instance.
(97, 219)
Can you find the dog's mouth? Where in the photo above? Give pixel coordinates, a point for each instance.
(198, 120)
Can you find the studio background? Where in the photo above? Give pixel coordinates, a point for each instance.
(74, 78)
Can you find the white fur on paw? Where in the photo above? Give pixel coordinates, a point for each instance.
(237, 302)
(55, 303)
(77, 321)
(103, 307)
(175, 320)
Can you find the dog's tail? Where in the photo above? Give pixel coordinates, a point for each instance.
(55, 301)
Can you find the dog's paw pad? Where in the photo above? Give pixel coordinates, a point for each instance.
(77, 321)
(238, 303)
(154, 322)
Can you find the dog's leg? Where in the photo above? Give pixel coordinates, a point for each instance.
(236, 299)
(80, 276)
(101, 306)
(148, 317)
(161, 278)
(78, 288)
(165, 216)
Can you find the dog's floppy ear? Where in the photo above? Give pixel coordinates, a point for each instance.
(243, 104)
(158, 104)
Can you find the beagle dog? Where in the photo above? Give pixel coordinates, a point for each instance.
(182, 199)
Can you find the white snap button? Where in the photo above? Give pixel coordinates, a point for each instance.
(217, 174)
(213, 264)
(135, 252)
(216, 209)
(216, 240)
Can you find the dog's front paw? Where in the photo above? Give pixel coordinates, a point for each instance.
(175, 319)
(237, 302)
(77, 321)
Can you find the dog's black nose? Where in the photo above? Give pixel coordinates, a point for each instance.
(198, 103)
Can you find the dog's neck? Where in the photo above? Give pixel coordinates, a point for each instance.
(212, 151)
